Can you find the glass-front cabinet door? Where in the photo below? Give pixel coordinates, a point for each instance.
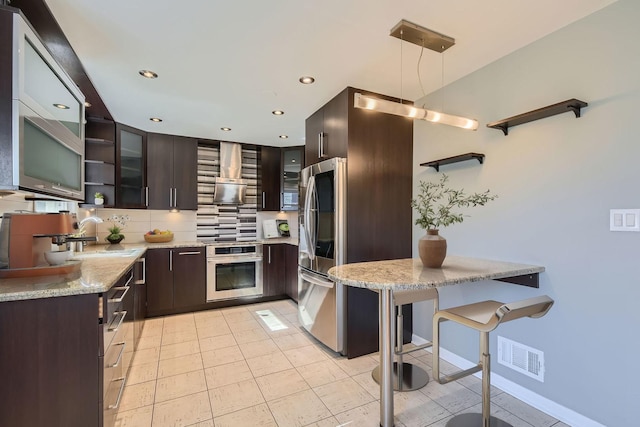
(131, 176)
(292, 161)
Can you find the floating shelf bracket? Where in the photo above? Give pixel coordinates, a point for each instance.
(455, 159)
(562, 107)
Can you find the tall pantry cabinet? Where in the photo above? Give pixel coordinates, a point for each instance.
(379, 152)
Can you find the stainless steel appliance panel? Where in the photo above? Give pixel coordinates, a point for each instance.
(234, 271)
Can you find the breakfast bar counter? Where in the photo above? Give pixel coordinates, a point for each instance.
(408, 274)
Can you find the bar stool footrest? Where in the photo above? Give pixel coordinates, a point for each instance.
(413, 377)
(475, 420)
(416, 348)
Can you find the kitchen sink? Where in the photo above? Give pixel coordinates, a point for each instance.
(105, 253)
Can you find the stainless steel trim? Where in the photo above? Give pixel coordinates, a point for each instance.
(119, 358)
(65, 190)
(122, 315)
(170, 197)
(125, 289)
(175, 197)
(386, 356)
(317, 281)
(117, 404)
(269, 248)
(170, 260)
(307, 210)
(214, 260)
(263, 199)
(146, 196)
(190, 253)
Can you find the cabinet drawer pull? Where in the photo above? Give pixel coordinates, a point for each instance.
(117, 362)
(190, 253)
(122, 315)
(144, 272)
(124, 290)
(115, 405)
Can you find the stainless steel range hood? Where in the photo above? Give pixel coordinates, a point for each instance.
(230, 188)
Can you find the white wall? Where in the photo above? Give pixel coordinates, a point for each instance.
(556, 179)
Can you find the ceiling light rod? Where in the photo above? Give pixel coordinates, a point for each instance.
(423, 37)
(406, 110)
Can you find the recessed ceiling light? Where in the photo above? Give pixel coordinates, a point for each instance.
(155, 119)
(225, 129)
(87, 104)
(61, 106)
(306, 80)
(293, 160)
(277, 112)
(148, 74)
(284, 136)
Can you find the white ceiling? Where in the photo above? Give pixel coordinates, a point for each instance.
(231, 62)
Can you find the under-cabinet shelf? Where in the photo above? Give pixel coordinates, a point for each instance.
(454, 159)
(561, 107)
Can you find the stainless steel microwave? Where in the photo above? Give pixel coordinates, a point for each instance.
(46, 146)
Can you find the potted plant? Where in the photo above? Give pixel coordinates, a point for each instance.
(435, 205)
(98, 198)
(115, 231)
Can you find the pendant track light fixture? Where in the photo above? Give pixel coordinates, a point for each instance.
(423, 37)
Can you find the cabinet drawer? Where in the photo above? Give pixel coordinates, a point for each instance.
(112, 399)
(114, 314)
(113, 365)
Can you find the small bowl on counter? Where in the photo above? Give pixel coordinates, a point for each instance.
(57, 257)
(158, 238)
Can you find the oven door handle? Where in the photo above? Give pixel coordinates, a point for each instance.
(317, 281)
(222, 260)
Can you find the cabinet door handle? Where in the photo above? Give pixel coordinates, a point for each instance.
(122, 315)
(263, 199)
(125, 289)
(117, 362)
(175, 197)
(269, 248)
(170, 260)
(190, 253)
(146, 196)
(115, 405)
(171, 197)
(144, 272)
(321, 153)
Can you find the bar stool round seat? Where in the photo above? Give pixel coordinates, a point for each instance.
(408, 376)
(484, 317)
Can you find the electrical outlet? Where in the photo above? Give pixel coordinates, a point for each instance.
(624, 220)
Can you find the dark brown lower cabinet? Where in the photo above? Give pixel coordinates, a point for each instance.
(273, 269)
(49, 362)
(176, 279)
(291, 273)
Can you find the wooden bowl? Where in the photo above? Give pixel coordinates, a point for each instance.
(158, 238)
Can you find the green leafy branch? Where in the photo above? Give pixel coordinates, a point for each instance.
(434, 212)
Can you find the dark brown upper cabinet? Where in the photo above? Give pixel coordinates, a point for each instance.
(131, 165)
(291, 165)
(326, 130)
(269, 179)
(172, 172)
(99, 161)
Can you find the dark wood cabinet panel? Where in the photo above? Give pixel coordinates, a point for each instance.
(159, 280)
(326, 130)
(176, 279)
(131, 165)
(291, 165)
(49, 363)
(189, 277)
(314, 125)
(269, 182)
(291, 273)
(274, 270)
(172, 173)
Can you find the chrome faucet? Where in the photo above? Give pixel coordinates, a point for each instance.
(77, 243)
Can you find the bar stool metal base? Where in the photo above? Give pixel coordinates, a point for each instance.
(475, 420)
(413, 377)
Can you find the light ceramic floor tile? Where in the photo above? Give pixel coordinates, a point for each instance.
(322, 373)
(289, 342)
(207, 314)
(138, 395)
(218, 376)
(140, 417)
(299, 409)
(453, 397)
(179, 337)
(268, 364)
(213, 330)
(357, 365)
(342, 395)
(258, 416)
(179, 329)
(250, 335)
(330, 422)
(280, 384)
(364, 416)
(168, 388)
(183, 411)
(475, 384)
(367, 382)
(244, 325)
(522, 410)
(208, 423)
(500, 413)
(181, 349)
(221, 356)
(305, 355)
(142, 373)
(286, 307)
(258, 348)
(238, 316)
(425, 413)
(147, 355)
(180, 365)
(233, 397)
(149, 341)
(213, 343)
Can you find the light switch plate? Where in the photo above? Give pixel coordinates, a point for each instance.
(624, 220)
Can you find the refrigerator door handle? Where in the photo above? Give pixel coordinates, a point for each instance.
(309, 197)
(317, 281)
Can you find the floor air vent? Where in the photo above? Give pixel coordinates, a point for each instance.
(521, 358)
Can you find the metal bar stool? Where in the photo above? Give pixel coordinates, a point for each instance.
(407, 376)
(484, 317)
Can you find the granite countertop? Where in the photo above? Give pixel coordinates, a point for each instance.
(403, 274)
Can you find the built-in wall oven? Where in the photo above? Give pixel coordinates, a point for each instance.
(234, 271)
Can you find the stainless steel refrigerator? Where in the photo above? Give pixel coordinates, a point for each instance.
(322, 231)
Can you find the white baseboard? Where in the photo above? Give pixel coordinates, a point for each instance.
(541, 403)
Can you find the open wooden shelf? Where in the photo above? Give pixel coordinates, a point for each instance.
(454, 159)
(561, 107)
